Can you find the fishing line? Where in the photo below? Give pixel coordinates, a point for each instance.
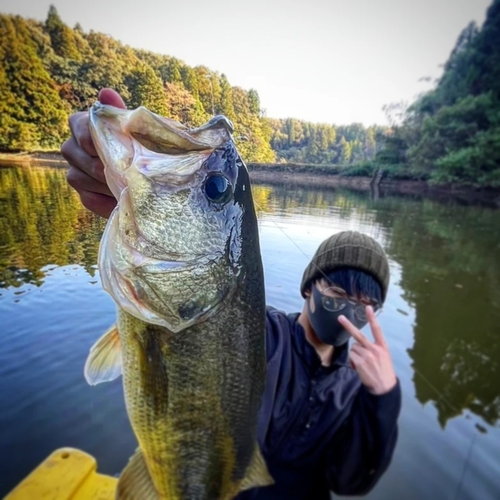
(466, 463)
(454, 408)
(293, 242)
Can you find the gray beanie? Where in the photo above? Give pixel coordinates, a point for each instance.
(348, 249)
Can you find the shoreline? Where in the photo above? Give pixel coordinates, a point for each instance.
(289, 177)
(45, 158)
(489, 197)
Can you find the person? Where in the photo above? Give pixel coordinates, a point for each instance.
(328, 418)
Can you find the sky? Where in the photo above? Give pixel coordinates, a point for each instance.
(327, 61)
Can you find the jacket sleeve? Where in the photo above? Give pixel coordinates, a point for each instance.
(362, 448)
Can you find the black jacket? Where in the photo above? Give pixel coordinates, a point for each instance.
(319, 428)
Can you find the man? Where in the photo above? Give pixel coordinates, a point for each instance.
(328, 419)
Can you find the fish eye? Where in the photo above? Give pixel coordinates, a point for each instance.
(217, 188)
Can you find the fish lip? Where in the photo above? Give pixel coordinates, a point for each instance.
(100, 108)
(96, 106)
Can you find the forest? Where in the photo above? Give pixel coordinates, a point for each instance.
(50, 70)
(450, 134)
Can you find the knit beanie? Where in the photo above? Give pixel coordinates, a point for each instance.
(348, 249)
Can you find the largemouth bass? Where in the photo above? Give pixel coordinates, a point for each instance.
(180, 257)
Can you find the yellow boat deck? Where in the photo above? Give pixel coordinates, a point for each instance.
(67, 474)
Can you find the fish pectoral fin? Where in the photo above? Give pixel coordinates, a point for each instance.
(257, 473)
(104, 362)
(135, 482)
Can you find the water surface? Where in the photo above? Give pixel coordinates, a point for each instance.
(441, 320)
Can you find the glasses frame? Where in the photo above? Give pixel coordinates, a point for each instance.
(342, 299)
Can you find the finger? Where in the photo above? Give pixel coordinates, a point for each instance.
(98, 203)
(81, 181)
(358, 349)
(377, 333)
(79, 125)
(78, 158)
(353, 331)
(355, 359)
(112, 98)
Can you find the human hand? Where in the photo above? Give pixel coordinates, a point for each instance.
(86, 171)
(372, 360)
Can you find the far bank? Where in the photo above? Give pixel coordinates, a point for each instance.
(320, 176)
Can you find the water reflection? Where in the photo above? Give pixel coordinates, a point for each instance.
(451, 274)
(443, 320)
(42, 222)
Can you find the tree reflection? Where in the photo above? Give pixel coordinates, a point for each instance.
(283, 198)
(42, 222)
(450, 258)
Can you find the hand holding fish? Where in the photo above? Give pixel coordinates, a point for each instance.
(372, 360)
(86, 171)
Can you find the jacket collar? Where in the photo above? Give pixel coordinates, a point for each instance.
(308, 353)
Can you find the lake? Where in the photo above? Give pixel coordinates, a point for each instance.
(441, 320)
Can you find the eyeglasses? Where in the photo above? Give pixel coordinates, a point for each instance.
(338, 300)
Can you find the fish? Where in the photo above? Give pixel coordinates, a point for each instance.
(180, 257)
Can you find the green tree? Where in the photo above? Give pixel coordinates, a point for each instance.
(173, 71)
(226, 106)
(146, 89)
(254, 100)
(256, 132)
(208, 88)
(61, 36)
(450, 133)
(344, 151)
(34, 116)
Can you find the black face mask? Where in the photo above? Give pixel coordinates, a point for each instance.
(325, 323)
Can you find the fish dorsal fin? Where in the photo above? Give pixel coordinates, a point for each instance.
(257, 473)
(135, 482)
(104, 362)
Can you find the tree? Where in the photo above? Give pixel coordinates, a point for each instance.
(146, 89)
(248, 124)
(183, 106)
(254, 100)
(61, 36)
(344, 151)
(370, 144)
(226, 106)
(33, 115)
(173, 71)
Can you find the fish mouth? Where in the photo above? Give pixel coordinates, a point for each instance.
(159, 134)
(162, 149)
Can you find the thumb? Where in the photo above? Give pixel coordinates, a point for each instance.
(112, 98)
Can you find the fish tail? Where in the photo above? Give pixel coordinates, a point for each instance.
(135, 482)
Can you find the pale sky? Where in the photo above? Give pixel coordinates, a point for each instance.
(332, 61)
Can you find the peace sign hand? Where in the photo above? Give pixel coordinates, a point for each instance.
(372, 360)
